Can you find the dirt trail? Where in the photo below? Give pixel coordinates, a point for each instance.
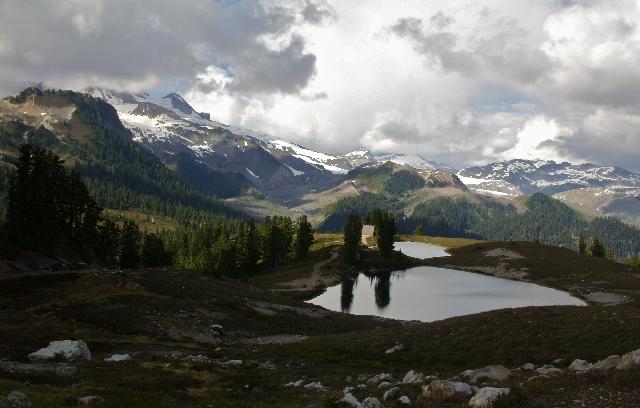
(316, 279)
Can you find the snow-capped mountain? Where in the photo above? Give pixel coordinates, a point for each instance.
(362, 156)
(516, 177)
(171, 128)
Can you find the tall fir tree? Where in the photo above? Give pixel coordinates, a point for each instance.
(386, 231)
(596, 249)
(129, 246)
(352, 239)
(582, 245)
(304, 237)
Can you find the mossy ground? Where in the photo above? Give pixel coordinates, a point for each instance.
(160, 316)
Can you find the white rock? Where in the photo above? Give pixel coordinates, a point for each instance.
(528, 366)
(347, 390)
(350, 400)
(413, 378)
(404, 400)
(68, 350)
(397, 347)
(446, 389)
(391, 393)
(384, 384)
(90, 401)
(118, 357)
(492, 372)
(580, 365)
(607, 364)
(316, 385)
(380, 377)
(371, 402)
(294, 383)
(629, 360)
(548, 370)
(487, 396)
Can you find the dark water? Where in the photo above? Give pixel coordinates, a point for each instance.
(426, 293)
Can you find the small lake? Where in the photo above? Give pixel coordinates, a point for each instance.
(427, 293)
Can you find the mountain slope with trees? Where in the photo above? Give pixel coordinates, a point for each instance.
(87, 133)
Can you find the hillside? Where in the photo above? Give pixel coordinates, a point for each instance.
(87, 133)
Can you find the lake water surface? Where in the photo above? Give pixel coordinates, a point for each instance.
(427, 293)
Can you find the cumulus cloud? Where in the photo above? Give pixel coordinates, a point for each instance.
(139, 45)
(464, 82)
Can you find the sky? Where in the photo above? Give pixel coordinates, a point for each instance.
(461, 82)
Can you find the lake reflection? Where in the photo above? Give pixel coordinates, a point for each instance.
(427, 293)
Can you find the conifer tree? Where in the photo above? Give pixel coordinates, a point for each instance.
(596, 249)
(304, 237)
(386, 228)
(129, 246)
(352, 238)
(418, 230)
(582, 245)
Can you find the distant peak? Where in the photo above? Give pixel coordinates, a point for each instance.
(178, 102)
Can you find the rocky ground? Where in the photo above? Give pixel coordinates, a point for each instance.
(169, 338)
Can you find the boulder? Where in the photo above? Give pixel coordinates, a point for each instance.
(492, 373)
(629, 360)
(349, 400)
(391, 393)
(15, 399)
(397, 347)
(579, 365)
(316, 385)
(67, 350)
(404, 400)
(548, 370)
(118, 357)
(528, 367)
(607, 364)
(444, 389)
(384, 384)
(371, 402)
(485, 397)
(380, 377)
(413, 378)
(90, 401)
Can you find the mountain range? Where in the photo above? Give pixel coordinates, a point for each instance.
(260, 173)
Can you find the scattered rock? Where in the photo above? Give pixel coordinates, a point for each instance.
(580, 365)
(118, 357)
(232, 363)
(294, 383)
(629, 360)
(90, 401)
(380, 377)
(384, 384)
(371, 402)
(397, 347)
(503, 253)
(487, 396)
(350, 400)
(59, 369)
(15, 399)
(607, 364)
(67, 350)
(548, 370)
(404, 400)
(316, 385)
(607, 299)
(413, 378)
(446, 389)
(391, 393)
(528, 367)
(492, 372)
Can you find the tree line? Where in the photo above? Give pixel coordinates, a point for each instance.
(384, 231)
(50, 209)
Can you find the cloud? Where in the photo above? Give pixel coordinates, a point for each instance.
(464, 82)
(160, 43)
